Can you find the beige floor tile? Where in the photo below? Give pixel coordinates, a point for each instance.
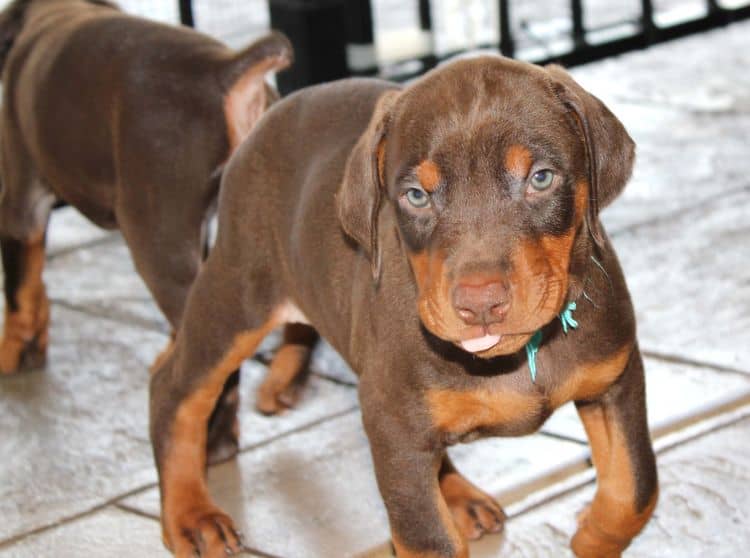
(314, 493)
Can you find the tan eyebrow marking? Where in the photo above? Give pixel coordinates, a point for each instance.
(518, 160)
(428, 175)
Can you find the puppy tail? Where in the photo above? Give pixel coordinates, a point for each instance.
(11, 22)
(242, 78)
(271, 53)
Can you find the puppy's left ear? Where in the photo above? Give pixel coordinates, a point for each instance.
(359, 196)
(609, 149)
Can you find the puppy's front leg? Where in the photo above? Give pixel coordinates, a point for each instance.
(625, 465)
(221, 327)
(406, 466)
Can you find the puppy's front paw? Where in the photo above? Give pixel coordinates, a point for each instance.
(204, 532)
(474, 511)
(590, 541)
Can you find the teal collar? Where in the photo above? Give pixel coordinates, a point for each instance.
(532, 347)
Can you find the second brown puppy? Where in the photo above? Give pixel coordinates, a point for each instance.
(128, 120)
(431, 234)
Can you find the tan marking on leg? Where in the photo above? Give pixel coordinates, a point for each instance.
(428, 175)
(518, 161)
(279, 390)
(595, 424)
(186, 504)
(26, 329)
(606, 527)
(590, 380)
(461, 412)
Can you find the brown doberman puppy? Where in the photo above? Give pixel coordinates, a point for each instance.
(127, 120)
(433, 234)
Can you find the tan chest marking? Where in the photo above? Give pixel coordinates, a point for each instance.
(460, 412)
(590, 380)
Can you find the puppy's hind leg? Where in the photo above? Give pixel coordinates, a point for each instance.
(25, 206)
(288, 370)
(25, 333)
(168, 245)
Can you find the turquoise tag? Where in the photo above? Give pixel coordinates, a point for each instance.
(532, 347)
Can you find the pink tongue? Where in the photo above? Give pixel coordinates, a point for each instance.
(480, 343)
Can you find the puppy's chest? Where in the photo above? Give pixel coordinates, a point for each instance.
(513, 405)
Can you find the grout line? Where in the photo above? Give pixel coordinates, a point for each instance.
(135, 511)
(297, 430)
(680, 432)
(140, 513)
(71, 518)
(667, 441)
(677, 213)
(676, 359)
(334, 379)
(115, 501)
(133, 321)
(257, 445)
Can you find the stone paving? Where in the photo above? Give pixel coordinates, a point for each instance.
(76, 473)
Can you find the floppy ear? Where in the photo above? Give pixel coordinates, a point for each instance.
(359, 197)
(609, 149)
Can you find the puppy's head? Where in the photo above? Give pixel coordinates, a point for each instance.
(496, 170)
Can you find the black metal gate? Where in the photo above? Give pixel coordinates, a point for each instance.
(335, 38)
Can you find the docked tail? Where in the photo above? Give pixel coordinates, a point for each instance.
(242, 77)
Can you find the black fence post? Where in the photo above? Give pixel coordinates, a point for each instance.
(506, 37)
(360, 39)
(317, 30)
(425, 24)
(579, 32)
(425, 15)
(647, 21)
(186, 13)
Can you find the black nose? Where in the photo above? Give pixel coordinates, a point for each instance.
(481, 303)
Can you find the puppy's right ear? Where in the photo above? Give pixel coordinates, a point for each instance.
(359, 197)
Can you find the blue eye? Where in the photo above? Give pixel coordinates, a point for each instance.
(417, 198)
(541, 180)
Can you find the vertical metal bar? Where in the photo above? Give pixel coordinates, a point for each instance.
(358, 15)
(186, 12)
(425, 16)
(647, 21)
(506, 37)
(579, 33)
(317, 30)
(360, 37)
